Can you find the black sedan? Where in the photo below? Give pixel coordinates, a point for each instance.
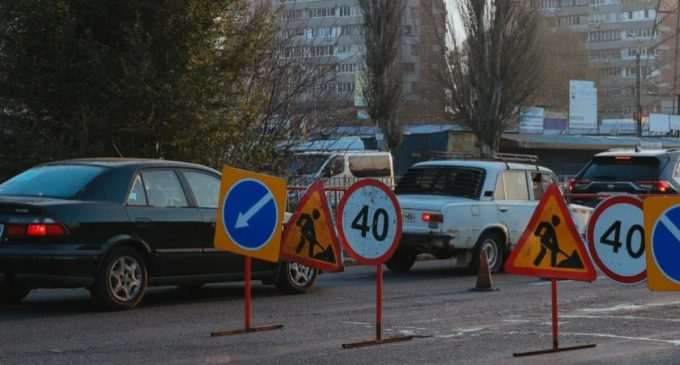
(117, 226)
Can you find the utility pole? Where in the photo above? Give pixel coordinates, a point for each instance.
(639, 93)
(676, 95)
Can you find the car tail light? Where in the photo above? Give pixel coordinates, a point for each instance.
(433, 218)
(656, 186)
(35, 230)
(574, 184)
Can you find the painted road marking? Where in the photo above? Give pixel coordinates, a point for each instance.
(628, 307)
(631, 338)
(631, 318)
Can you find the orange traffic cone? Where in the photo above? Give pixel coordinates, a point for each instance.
(484, 281)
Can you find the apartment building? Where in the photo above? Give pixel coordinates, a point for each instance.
(667, 51)
(615, 32)
(330, 33)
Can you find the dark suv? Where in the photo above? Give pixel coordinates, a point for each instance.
(634, 171)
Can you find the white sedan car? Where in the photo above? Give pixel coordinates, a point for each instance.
(456, 208)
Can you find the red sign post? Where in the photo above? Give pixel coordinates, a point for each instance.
(248, 307)
(552, 248)
(248, 223)
(369, 224)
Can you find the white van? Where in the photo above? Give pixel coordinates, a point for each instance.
(340, 169)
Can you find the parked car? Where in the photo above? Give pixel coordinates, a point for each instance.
(458, 208)
(632, 171)
(116, 226)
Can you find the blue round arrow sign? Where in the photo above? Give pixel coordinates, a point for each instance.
(250, 214)
(666, 243)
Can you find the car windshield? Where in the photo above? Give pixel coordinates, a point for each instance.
(449, 181)
(622, 168)
(55, 181)
(307, 164)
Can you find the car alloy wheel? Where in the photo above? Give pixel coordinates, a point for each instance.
(491, 244)
(125, 279)
(300, 275)
(122, 280)
(294, 278)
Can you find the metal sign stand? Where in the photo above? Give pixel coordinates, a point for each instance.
(379, 340)
(555, 331)
(247, 272)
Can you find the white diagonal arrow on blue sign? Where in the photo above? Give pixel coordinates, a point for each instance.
(243, 218)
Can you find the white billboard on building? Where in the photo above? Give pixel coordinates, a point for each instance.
(582, 105)
(675, 122)
(659, 123)
(531, 120)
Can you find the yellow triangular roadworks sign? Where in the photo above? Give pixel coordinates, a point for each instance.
(551, 247)
(309, 237)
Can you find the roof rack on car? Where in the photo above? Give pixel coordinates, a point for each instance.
(515, 157)
(451, 155)
(499, 157)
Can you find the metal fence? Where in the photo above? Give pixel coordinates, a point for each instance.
(335, 189)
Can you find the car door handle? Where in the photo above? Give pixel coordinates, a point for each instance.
(503, 209)
(143, 222)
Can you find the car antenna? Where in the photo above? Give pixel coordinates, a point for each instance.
(115, 147)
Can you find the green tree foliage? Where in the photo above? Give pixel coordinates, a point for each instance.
(174, 79)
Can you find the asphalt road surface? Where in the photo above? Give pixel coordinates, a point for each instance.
(629, 324)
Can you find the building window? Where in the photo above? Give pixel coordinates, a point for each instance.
(320, 12)
(345, 87)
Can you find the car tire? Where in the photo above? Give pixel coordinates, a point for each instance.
(495, 252)
(122, 281)
(12, 292)
(401, 261)
(295, 278)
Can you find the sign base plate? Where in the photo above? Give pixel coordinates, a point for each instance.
(376, 342)
(554, 350)
(246, 330)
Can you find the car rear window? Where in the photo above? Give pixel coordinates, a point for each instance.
(450, 181)
(622, 168)
(56, 181)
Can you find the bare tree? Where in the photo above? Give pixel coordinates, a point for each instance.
(270, 101)
(494, 65)
(382, 85)
(565, 51)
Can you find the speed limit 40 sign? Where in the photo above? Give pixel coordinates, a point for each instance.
(616, 239)
(369, 222)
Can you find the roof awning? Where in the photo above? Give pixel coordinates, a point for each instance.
(582, 142)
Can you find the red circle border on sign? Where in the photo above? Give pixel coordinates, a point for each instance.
(601, 208)
(341, 232)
